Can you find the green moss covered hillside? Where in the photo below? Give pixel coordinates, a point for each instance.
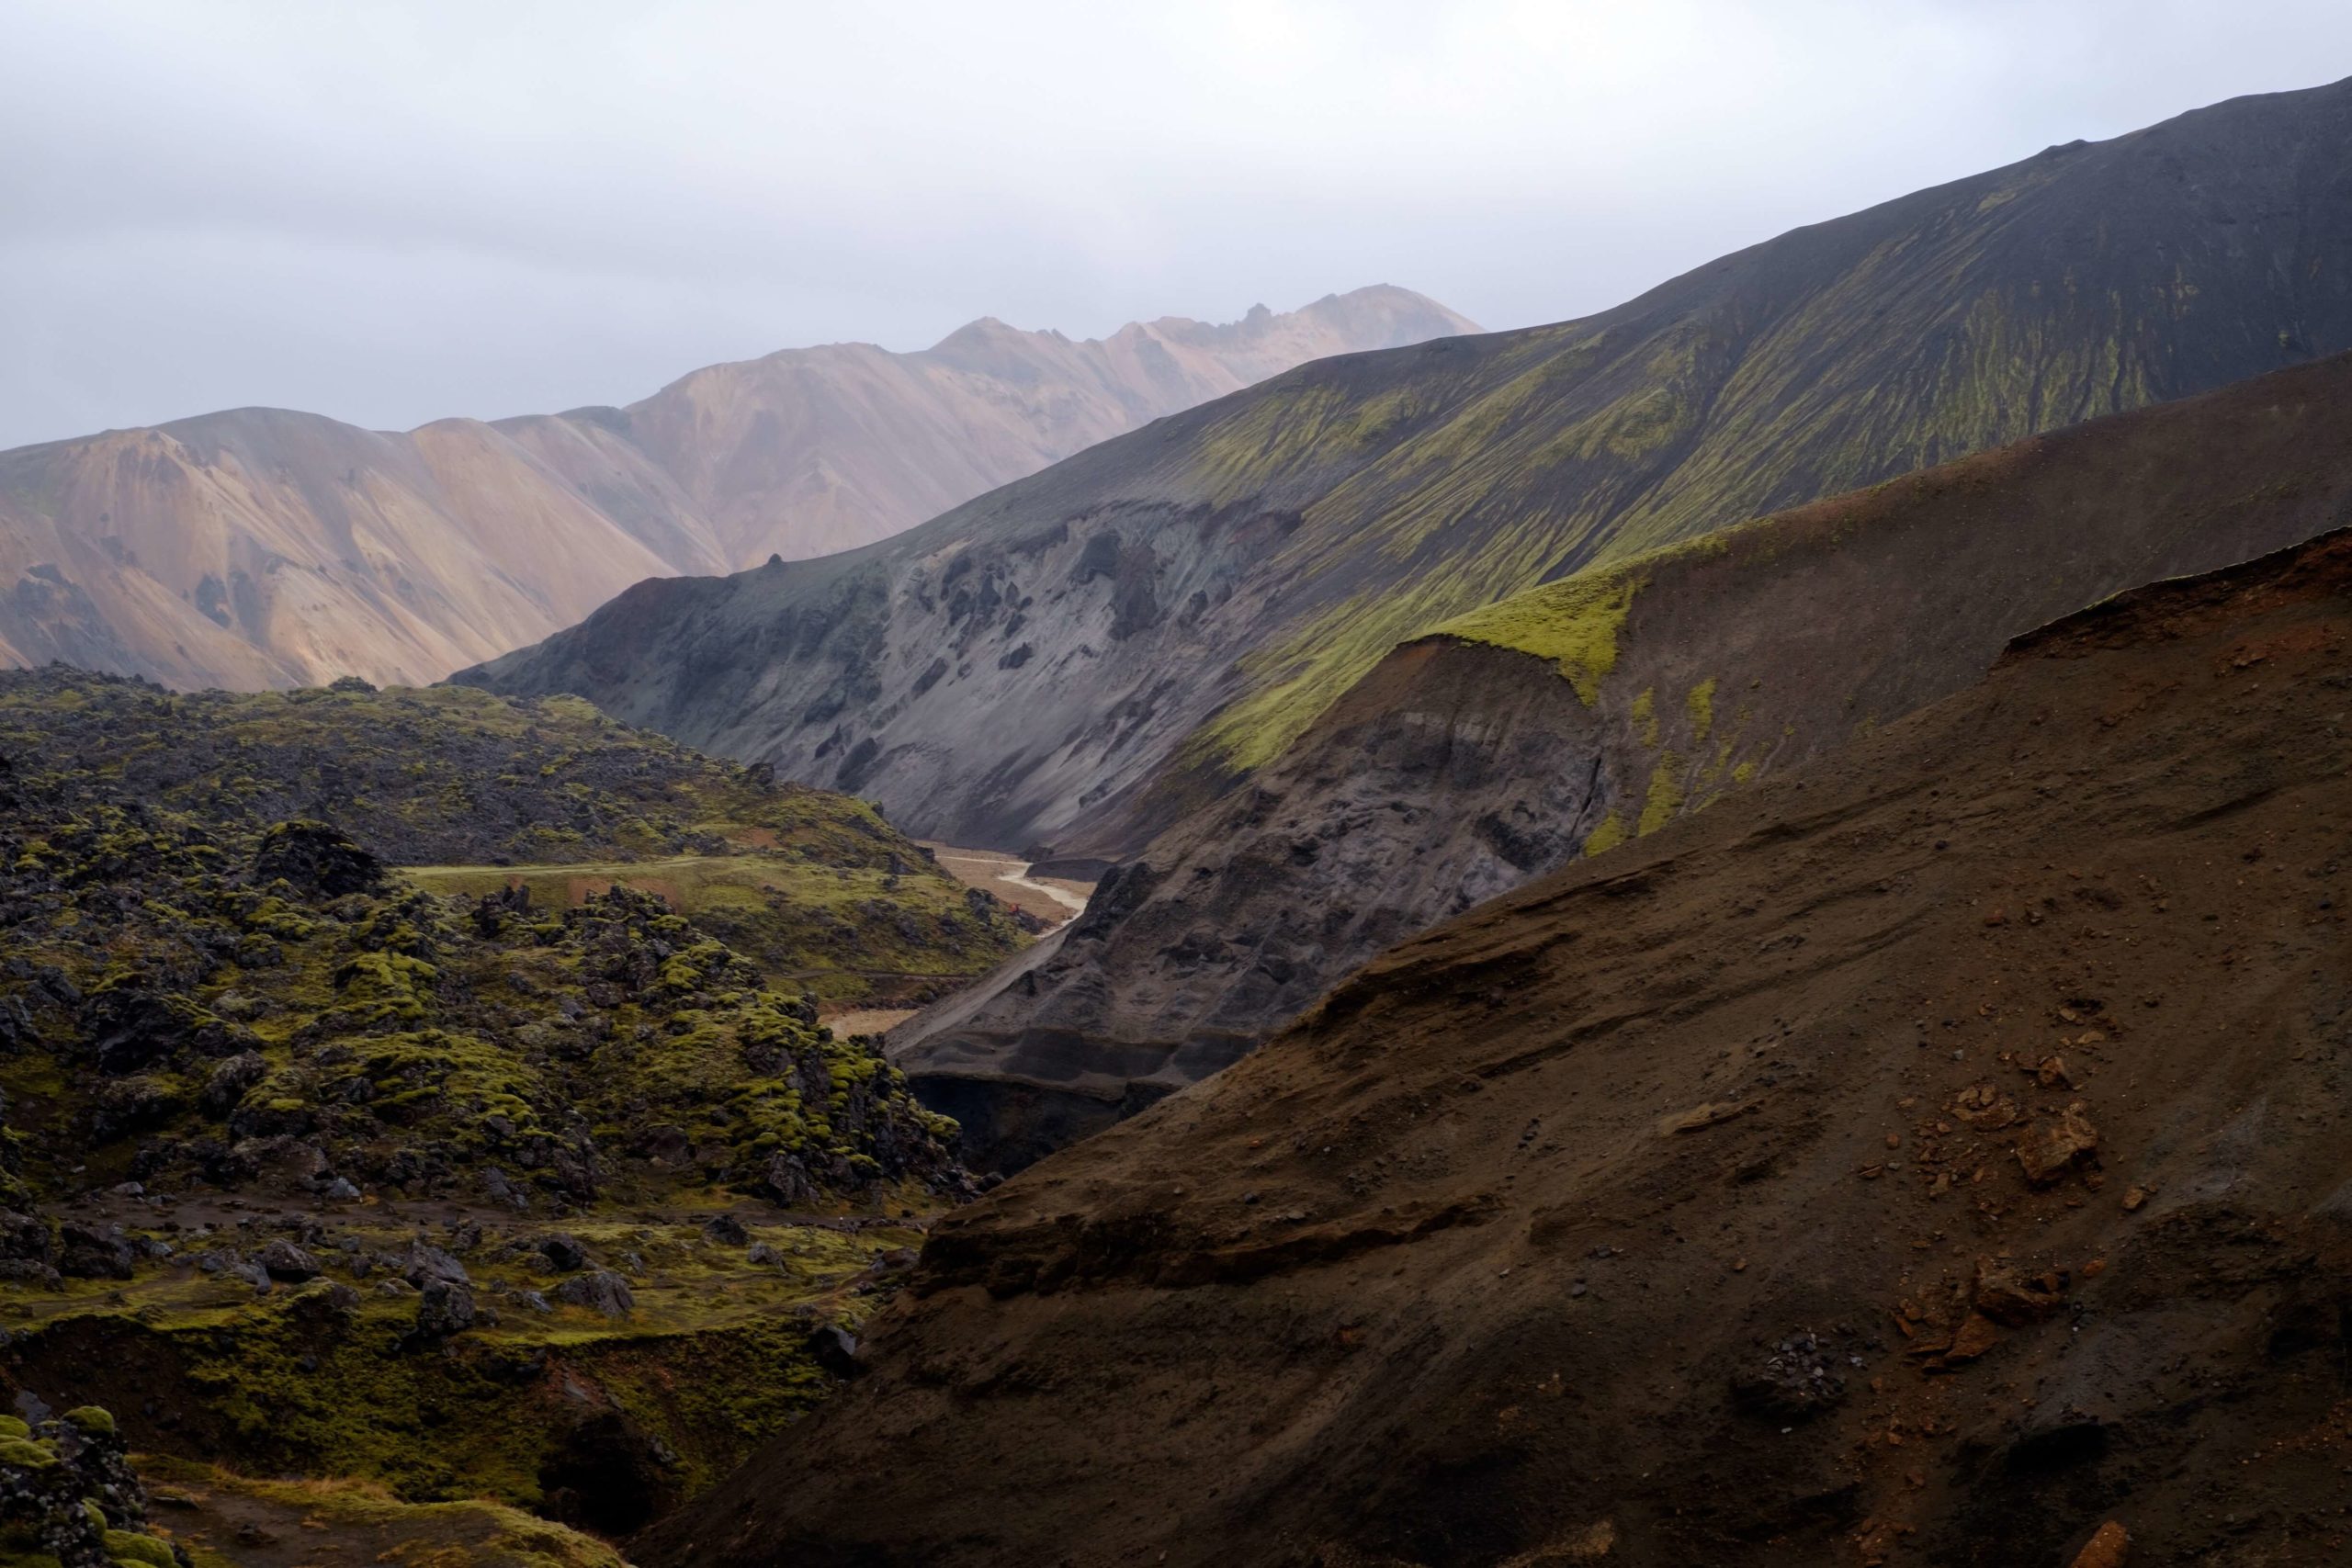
(477, 793)
(515, 1179)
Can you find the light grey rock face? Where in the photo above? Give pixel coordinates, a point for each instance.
(1001, 676)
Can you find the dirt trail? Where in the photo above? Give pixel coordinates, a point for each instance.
(1054, 899)
(853, 1021)
(1924, 1159)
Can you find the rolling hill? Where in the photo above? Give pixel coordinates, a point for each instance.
(1930, 1157)
(263, 547)
(1071, 662)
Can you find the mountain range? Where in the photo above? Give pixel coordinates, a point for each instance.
(1926, 1157)
(1073, 662)
(1718, 936)
(1595, 710)
(264, 547)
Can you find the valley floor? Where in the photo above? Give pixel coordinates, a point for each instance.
(1054, 899)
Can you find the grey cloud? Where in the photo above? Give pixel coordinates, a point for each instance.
(391, 213)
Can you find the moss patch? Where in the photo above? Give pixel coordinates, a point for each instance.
(1665, 796)
(1574, 623)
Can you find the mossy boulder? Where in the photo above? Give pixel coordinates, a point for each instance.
(69, 1495)
(319, 859)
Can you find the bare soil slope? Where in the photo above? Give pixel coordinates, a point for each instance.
(1597, 709)
(264, 547)
(1922, 1158)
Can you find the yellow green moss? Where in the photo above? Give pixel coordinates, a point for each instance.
(1665, 796)
(1607, 836)
(1644, 716)
(1701, 705)
(1575, 623)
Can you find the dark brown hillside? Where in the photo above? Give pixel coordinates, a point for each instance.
(1919, 1159)
(1597, 709)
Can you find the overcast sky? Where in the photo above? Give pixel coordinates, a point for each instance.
(391, 213)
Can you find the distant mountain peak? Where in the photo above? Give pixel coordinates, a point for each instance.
(401, 556)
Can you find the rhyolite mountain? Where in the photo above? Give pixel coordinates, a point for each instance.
(1071, 661)
(264, 547)
(1575, 716)
(1932, 1157)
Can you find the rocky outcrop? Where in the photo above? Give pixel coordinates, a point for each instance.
(1667, 1211)
(1473, 761)
(69, 1495)
(1077, 661)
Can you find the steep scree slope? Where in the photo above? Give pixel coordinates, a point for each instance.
(1920, 1159)
(262, 547)
(1022, 669)
(1581, 714)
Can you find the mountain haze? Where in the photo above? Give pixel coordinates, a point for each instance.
(813, 451)
(1071, 662)
(264, 548)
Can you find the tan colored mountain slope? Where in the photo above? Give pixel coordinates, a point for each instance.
(264, 548)
(812, 451)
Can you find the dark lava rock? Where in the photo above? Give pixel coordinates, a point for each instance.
(85, 1252)
(131, 1026)
(727, 1230)
(68, 1495)
(424, 1263)
(281, 1259)
(230, 1080)
(443, 1309)
(23, 1236)
(1794, 1382)
(16, 1023)
(835, 1349)
(503, 1191)
(318, 859)
(564, 1253)
(600, 1289)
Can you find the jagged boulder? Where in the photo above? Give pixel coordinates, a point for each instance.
(564, 1253)
(131, 1024)
(422, 1263)
(443, 1309)
(85, 1252)
(228, 1081)
(318, 859)
(600, 1289)
(68, 1495)
(281, 1259)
